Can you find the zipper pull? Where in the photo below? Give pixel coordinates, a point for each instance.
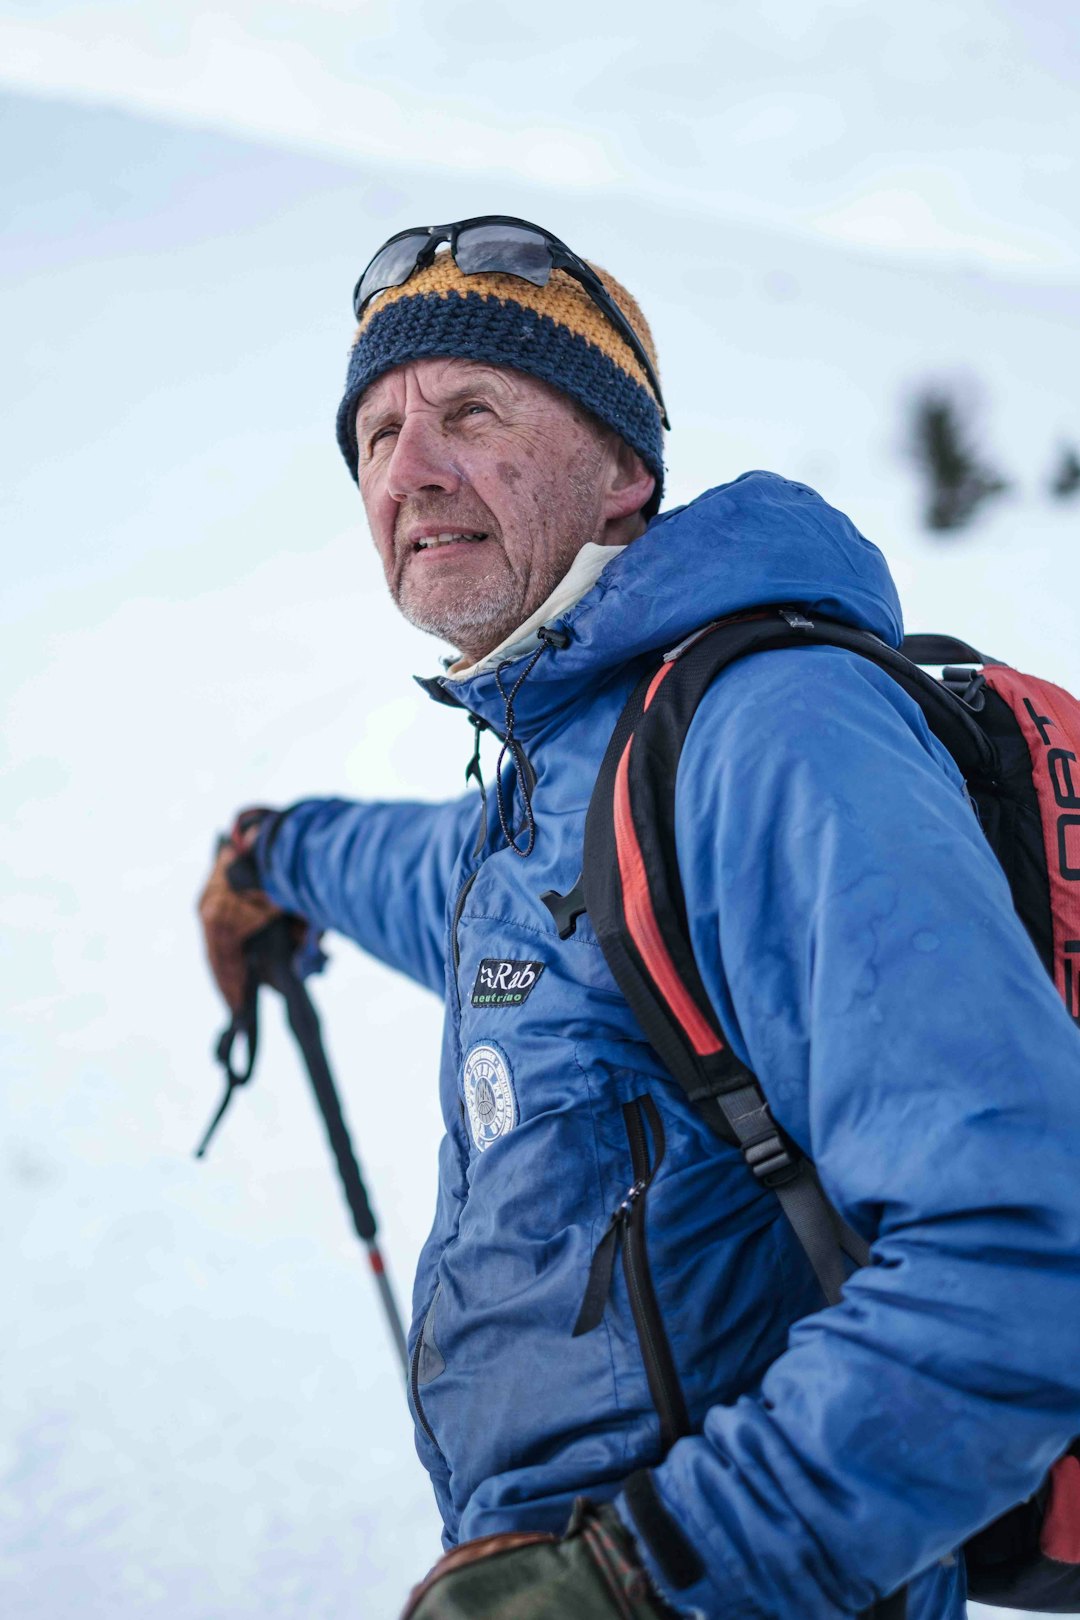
(472, 769)
(598, 1287)
(473, 773)
(626, 1208)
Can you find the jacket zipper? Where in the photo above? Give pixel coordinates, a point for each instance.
(529, 776)
(414, 1383)
(455, 948)
(627, 1229)
(414, 1362)
(455, 953)
(659, 1362)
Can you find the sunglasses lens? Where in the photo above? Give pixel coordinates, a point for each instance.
(509, 248)
(391, 267)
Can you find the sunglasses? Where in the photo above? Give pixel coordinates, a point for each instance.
(497, 243)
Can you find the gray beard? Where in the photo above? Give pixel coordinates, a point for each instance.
(494, 612)
(485, 621)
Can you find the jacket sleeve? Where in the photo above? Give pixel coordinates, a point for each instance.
(859, 942)
(377, 873)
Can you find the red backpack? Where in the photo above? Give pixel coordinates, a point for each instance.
(1016, 740)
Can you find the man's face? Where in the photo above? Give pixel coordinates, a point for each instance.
(481, 485)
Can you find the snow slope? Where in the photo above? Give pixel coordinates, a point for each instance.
(201, 1415)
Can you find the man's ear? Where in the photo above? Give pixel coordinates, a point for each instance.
(630, 484)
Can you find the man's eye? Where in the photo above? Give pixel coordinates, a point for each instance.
(474, 407)
(380, 434)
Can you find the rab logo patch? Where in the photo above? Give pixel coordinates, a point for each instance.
(500, 983)
(489, 1094)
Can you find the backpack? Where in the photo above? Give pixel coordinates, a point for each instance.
(1016, 741)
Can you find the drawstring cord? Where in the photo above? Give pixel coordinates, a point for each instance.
(511, 745)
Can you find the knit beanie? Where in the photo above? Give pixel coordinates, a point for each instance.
(554, 332)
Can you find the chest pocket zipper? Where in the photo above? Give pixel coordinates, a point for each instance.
(426, 1365)
(626, 1232)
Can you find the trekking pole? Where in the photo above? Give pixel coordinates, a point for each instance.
(270, 961)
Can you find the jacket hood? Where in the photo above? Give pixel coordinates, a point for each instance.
(761, 539)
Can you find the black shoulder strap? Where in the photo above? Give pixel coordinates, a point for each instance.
(931, 649)
(636, 903)
(631, 887)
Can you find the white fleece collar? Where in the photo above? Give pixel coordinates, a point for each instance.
(579, 578)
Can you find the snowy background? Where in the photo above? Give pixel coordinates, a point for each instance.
(818, 206)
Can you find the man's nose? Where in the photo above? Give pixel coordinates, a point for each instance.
(421, 459)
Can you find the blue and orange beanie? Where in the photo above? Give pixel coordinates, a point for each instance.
(554, 332)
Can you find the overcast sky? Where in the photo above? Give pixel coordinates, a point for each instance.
(933, 128)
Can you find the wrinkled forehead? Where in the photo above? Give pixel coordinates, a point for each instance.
(440, 379)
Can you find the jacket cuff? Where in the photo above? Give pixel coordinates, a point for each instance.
(261, 851)
(673, 1562)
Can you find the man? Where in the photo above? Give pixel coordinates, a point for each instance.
(503, 419)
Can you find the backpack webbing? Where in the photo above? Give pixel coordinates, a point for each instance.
(1019, 760)
(636, 903)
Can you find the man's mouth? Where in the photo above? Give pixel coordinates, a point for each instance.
(450, 538)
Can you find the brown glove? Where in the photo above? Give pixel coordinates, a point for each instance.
(229, 915)
(591, 1573)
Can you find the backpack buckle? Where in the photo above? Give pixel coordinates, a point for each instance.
(771, 1161)
(566, 908)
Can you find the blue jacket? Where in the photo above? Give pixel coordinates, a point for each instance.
(859, 943)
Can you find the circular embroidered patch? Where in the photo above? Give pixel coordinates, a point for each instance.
(489, 1095)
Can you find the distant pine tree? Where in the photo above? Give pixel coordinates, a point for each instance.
(957, 479)
(1065, 480)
